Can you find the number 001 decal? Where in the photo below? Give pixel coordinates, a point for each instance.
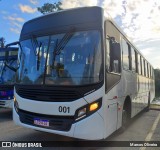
(64, 109)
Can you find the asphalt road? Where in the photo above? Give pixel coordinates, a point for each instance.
(144, 127)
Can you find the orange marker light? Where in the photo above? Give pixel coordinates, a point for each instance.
(93, 106)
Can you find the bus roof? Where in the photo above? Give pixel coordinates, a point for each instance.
(62, 21)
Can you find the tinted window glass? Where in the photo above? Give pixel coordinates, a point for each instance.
(149, 71)
(139, 63)
(133, 59)
(125, 55)
(142, 66)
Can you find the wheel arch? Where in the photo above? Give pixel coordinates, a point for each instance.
(127, 105)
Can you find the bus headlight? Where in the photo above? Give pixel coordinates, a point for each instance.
(81, 113)
(16, 106)
(88, 109)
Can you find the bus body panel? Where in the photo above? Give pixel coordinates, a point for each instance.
(113, 105)
(89, 129)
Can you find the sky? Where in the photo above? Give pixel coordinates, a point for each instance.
(139, 19)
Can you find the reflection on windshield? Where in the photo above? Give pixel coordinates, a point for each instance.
(78, 62)
(7, 76)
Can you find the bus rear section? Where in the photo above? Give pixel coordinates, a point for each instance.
(7, 76)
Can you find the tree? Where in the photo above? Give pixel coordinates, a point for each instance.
(2, 41)
(48, 8)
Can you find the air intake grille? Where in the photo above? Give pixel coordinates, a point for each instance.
(47, 94)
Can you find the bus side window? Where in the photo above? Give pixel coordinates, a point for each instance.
(144, 63)
(139, 63)
(126, 55)
(142, 66)
(129, 56)
(133, 59)
(108, 54)
(115, 56)
(146, 69)
(136, 61)
(149, 71)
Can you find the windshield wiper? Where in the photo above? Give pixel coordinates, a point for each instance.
(34, 43)
(37, 52)
(63, 42)
(38, 56)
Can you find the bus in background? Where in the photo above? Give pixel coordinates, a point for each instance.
(7, 76)
(79, 75)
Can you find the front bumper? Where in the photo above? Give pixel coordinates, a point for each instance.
(90, 128)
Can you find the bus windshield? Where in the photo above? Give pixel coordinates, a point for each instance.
(61, 60)
(7, 76)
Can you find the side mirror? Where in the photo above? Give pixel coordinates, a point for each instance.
(11, 53)
(115, 57)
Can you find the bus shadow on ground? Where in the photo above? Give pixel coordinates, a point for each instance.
(5, 114)
(33, 135)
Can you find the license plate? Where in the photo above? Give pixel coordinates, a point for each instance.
(41, 122)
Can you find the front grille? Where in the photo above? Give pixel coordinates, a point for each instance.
(61, 123)
(47, 94)
(2, 103)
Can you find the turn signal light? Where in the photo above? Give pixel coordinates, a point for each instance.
(93, 106)
(16, 106)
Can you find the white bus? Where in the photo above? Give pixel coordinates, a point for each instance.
(79, 75)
